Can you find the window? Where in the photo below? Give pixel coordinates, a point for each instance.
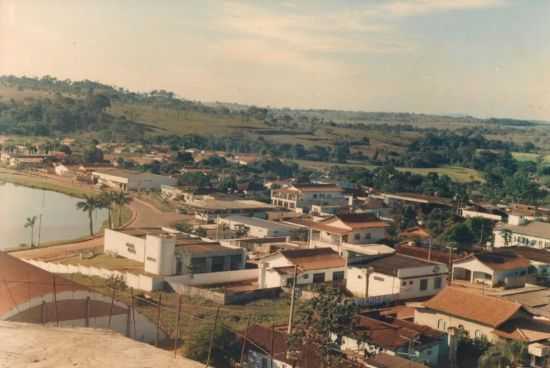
(378, 278)
(305, 276)
(367, 236)
(424, 284)
(357, 236)
(477, 334)
(235, 262)
(218, 263)
(319, 277)
(338, 276)
(264, 362)
(404, 283)
(437, 283)
(151, 259)
(441, 325)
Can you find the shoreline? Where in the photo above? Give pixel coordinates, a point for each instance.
(36, 181)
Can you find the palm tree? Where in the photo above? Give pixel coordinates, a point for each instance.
(121, 199)
(31, 221)
(106, 200)
(89, 205)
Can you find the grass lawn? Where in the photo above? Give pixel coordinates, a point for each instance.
(456, 173)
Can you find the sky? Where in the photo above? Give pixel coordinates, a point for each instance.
(478, 57)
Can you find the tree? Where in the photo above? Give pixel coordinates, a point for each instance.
(89, 205)
(504, 355)
(225, 346)
(507, 236)
(408, 218)
(106, 201)
(318, 319)
(31, 221)
(121, 199)
(461, 235)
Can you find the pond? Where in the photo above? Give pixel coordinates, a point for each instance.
(57, 217)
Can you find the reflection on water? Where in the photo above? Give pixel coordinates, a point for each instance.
(61, 219)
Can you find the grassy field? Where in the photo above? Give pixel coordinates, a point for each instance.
(457, 173)
(522, 156)
(197, 312)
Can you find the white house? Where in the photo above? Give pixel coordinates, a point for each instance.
(347, 229)
(534, 234)
(316, 265)
(167, 253)
(395, 277)
(259, 228)
(126, 180)
(303, 196)
(492, 269)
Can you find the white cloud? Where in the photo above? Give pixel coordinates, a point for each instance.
(405, 8)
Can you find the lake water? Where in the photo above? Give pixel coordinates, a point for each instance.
(61, 220)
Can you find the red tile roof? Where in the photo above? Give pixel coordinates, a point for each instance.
(314, 258)
(486, 310)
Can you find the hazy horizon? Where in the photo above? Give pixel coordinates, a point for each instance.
(472, 57)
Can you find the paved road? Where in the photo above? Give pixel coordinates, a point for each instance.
(145, 216)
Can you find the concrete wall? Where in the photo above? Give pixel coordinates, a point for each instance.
(520, 240)
(124, 245)
(442, 322)
(213, 278)
(136, 281)
(160, 256)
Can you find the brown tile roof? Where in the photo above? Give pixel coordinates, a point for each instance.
(263, 338)
(390, 264)
(533, 254)
(390, 361)
(354, 221)
(314, 258)
(524, 329)
(487, 310)
(498, 261)
(536, 228)
(415, 233)
(419, 252)
(394, 334)
(318, 187)
(21, 282)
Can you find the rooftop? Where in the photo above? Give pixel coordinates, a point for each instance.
(121, 172)
(536, 229)
(314, 258)
(533, 254)
(218, 204)
(498, 261)
(390, 264)
(25, 345)
(390, 361)
(318, 187)
(487, 310)
(257, 222)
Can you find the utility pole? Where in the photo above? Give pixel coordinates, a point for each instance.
(177, 337)
(292, 300)
(212, 334)
(451, 265)
(430, 249)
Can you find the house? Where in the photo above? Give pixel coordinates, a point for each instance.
(259, 228)
(492, 269)
(539, 259)
(479, 316)
(413, 199)
(352, 228)
(373, 206)
(416, 235)
(209, 209)
(395, 277)
(169, 253)
(519, 214)
(303, 196)
(25, 345)
(534, 234)
(391, 361)
(126, 180)
(394, 337)
(266, 347)
(32, 295)
(486, 211)
(313, 266)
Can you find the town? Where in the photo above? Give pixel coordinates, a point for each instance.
(392, 279)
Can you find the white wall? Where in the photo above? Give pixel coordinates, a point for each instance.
(212, 278)
(125, 245)
(520, 240)
(160, 258)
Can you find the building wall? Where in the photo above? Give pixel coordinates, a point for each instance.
(520, 240)
(472, 214)
(160, 256)
(366, 236)
(443, 322)
(124, 245)
(381, 284)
